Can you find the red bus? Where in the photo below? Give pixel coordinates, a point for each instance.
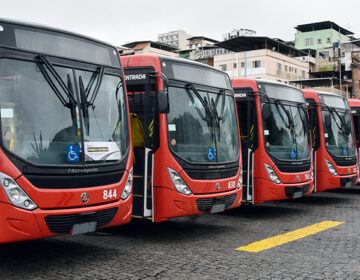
(334, 145)
(185, 137)
(275, 140)
(354, 104)
(65, 149)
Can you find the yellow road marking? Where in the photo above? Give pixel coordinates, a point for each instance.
(288, 237)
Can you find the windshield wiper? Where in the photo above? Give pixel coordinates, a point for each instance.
(100, 76)
(84, 105)
(332, 110)
(203, 103)
(290, 121)
(42, 60)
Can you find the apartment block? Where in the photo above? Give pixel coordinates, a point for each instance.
(261, 58)
(177, 39)
(148, 47)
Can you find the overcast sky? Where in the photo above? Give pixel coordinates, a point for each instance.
(118, 22)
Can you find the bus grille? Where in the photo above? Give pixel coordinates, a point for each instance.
(205, 204)
(64, 223)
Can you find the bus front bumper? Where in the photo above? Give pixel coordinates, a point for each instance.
(266, 190)
(176, 204)
(328, 181)
(20, 225)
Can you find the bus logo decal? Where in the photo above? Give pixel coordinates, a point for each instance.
(217, 186)
(84, 197)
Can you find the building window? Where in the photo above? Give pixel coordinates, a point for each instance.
(324, 54)
(279, 67)
(223, 67)
(309, 41)
(303, 74)
(328, 40)
(295, 70)
(256, 64)
(290, 69)
(319, 41)
(243, 64)
(286, 68)
(235, 65)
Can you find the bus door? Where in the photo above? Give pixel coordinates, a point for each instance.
(355, 112)
(245, 100)
(144, 124)
(315, 135)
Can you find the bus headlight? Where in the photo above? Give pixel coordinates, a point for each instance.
(331, 168)
(272, 175)
(240, 181)
(15, 194)
(127, 190)
(178, 182)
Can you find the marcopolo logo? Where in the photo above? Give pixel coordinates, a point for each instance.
(84, 197)
(83, 170)
(135, 77)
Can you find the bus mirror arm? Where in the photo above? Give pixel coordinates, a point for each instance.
(162, 96)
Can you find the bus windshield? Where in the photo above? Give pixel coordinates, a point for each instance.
(286, 131)
(45, 124)
(338, 127)
(202, 125)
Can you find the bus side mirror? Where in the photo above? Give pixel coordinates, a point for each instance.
(163, 101)
(266, 113)
(327, 121)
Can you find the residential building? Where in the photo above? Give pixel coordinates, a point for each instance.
(201, 49)
(149, 47)
(261, 58)
(177, 39)
(238, 32)
(320, 35)
(331, 46)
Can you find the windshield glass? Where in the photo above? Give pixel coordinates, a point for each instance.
(38, 127)
(195, 131)
(286, 131)
(338, 131)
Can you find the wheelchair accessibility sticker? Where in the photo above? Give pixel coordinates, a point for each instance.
(211, 154)
(73, 152)
(345, 151)
(293, 153)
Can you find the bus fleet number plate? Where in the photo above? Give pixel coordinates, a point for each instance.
(297, 194)
(84, 228)
(218, 208)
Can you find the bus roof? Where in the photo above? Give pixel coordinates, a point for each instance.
(55, 42)
(354, 102)
(50, 28)
(243, 81)
(163, 57)
(155, 61)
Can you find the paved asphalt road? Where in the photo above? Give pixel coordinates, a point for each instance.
(203, 247)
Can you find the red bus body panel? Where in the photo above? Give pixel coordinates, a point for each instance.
(264, 188)
(325, 180)
(168, 202)
(18, 224)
